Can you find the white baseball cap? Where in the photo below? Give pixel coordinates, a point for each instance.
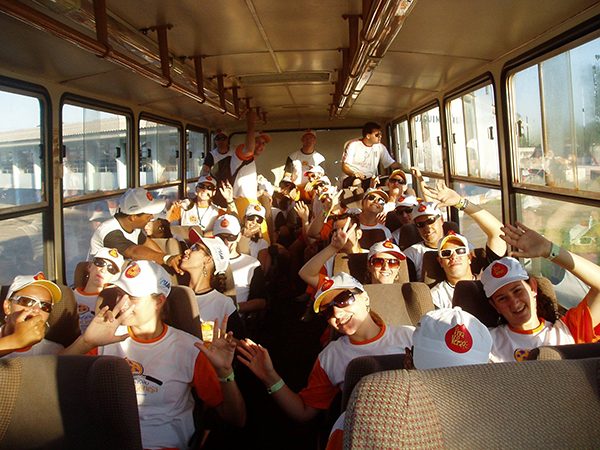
(315, 169)
(500, 273)
(141, 278)
(309, 131)
(450, 337)
(207, 179)
(322, 180)
(406, 201)
(331, 190)
(227, 224)
(386, 247)
(425, 209)
(112, 255)
(255, 210)
(140, 201)
(22, 281)
(266, 186)
(381, 193)
(262, 134)
(398, 172)
(217, 248)
(330, 287)
(452, 236)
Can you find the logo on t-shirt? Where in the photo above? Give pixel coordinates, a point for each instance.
(82, 309)
(521, 354)
(194, 219)
(458, 339)
(135, 367)
(133, 271)
(499, 270)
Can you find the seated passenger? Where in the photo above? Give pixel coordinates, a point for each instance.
(248, 276)
(372, 207)
(403, 212)
(396, 184)
(104, 267)
(259, 247)
(344, 303)
(512, 293)
(27, 307)
(206, 262)
(384, 262)
(165, 362)
(125, 231)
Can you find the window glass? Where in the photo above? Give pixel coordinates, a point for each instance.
(488, 199)
(159, 153)
(170, 194)
(21, 247)
(402, 145)
(556, 117)
(473, 137)
(96, 150)
(196, 147)
(570, 225)
(427, 141)
(21, 150)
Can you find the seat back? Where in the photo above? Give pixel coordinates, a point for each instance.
(171, 246)
(370, 237)
(352, 197)
(409, 233)
(433, 272)
(392, 222)
(181, 311)
(365, 365)
(81, 275)
(400, 304)
(57, 402)
(479, 406)
(574, 351)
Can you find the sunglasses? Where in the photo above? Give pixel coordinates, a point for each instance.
(29, 302)
(448, 252)
(397, 180)
(197, 248)
(206, 187)
(404, 211)
(257, 219)
(376, 198)
(378, 263)
(343, 299)
(227, 237)
(222, 138)
(429, 221)
(378, 134)
(100, 262)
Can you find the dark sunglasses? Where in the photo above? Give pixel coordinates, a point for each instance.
(197, 248)
(404, 211)
(447, 252)
(429, 221)
(29, 302)
(257, 219)
(222, 138)
(206, 187)
(378, 263)
(379, 200)
(397, 180)
(343, 299)
(100, 262)
(378, 134)
(227, 237)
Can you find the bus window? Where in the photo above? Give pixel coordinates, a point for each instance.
(427, 141)
(196, 151)
(21, 247)
(159, 153)
(402, 149)
(473, 136)
(21, 150)
(556, 138)
(96, 150)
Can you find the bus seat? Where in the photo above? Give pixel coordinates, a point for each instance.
(433, 272)
(352, 197)
(365, 365)
(409, 234)
(469, 295)
(400, 304)
(81, 275)
(181, 311)
(63, 320)
(392, 222)
(416, 409)
(418, 300)
(573, 351)
(74, 406)
(370, 237)
(341, 264)
(171, 246)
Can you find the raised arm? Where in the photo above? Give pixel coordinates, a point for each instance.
(532, 245)
(251, 118)
(150, 251)
(314, 230)
(491, 226)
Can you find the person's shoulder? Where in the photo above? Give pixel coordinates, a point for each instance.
(180, 335)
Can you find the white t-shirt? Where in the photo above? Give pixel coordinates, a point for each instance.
(86, 307)
(246, 180)
(243, 268)
(203, 216)
(44, 347)
(137, 236)
(366, 159)
(256, 247)
(301, 162)
(214, 305)
(415, 253)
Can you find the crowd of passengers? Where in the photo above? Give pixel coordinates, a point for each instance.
(291, 237)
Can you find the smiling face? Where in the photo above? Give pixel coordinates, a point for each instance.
(141, 220)
(308, 140)
(457, 267)
(196, 258)
(205, 191)
(12, 310)
(373, 202)
(259, 145)
(430, 232)
(379, 267)
(350, 319)
(517, 303)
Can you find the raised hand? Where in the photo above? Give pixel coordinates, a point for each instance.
(221, 350)
(442, 194)
(302, 210)
(530, 243)
(257, 359)
(226, 191)
(102, 328)
(28, 331)
(374, 181)
(340, 237)
(174, 262)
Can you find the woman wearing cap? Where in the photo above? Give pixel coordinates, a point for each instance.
(344, 303)
(396, 184)
(206, 262)
(165, 362)
(201, 211)
(259, 248)
(104, 267)
(513, 294)
(27, 308)
(383, 263)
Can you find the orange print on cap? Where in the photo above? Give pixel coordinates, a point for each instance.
(149, 195)
(209, 178)
(39, 276)
(113, 253)
(327, 284)
(401, 199)
(225, 223)
(256, 207)
(133, 271)
(458, 339)
(422, 208)
(388, 244)
(499, 270)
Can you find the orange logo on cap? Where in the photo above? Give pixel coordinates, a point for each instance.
(133, 271)
(257, 207)
(114, 253)
(209, 178)
(451, 233)
(388, 244)
(135, 367)
(327, 284)
(402, 198)
(422, 207)
(149, 195)
(499, 270)
(458, 339)
(521, 354)
(39, 276)
(225, 223)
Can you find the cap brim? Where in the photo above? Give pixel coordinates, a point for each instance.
(154, 207)
(54, 290)
(325, 296)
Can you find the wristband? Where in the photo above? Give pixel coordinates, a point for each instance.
(462, 204)
(231, 202)
(166, 259)
(276, 386)
(553, 252)
(228, 378)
